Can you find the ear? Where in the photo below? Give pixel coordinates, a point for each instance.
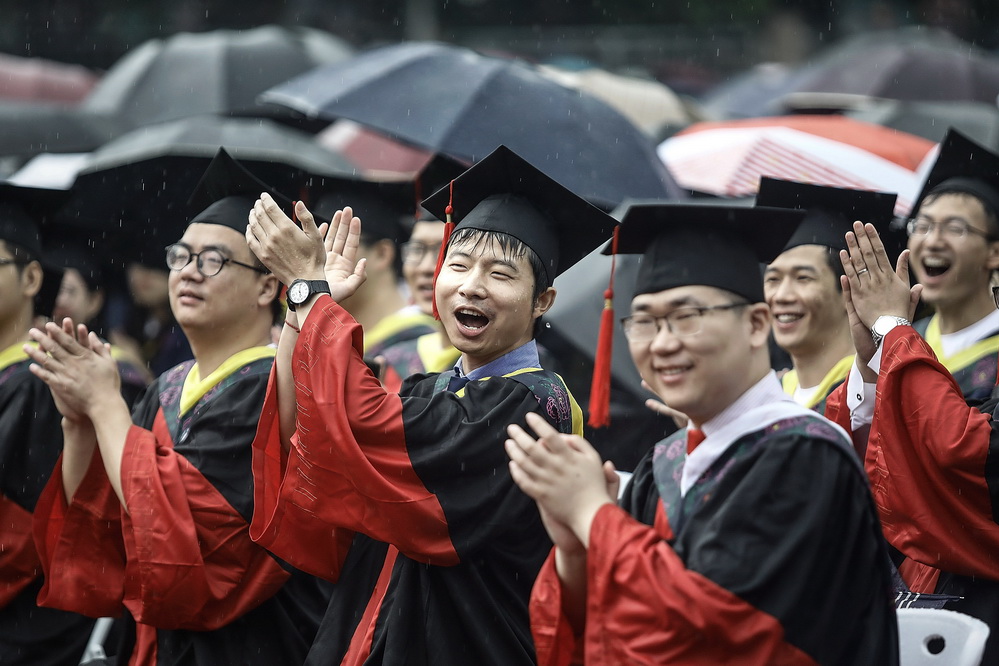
(31, 279)
(759, 320)
(992, 260)
(268, 290)
(544, 302)
(381, 255)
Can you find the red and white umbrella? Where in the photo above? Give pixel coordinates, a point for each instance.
(729, 158)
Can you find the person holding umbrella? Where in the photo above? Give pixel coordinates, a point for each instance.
(748, 537)
(30, 439)
(432, 546)
(802, 287)
(149, 512)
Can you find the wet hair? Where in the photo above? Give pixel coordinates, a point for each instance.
(835, 265)
(991, 214)
(23, 255)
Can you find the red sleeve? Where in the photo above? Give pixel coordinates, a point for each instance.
(926, 460)
(554, 640)
(348, 467)
(191, 563)
(645, 606)
(18, 560)
(80, 544)
(838, 412)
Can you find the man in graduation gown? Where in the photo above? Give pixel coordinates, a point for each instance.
(749, 537)
(30, 439)
(931, 456)
(802, 284)
(404, 498)
(150, 512)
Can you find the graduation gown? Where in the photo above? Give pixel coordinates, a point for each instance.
(420, 355)
(30, 443)
(833, 379)
(406, 324)
(773, 556)
(974, 368)
(933, 462)
(181, 561)
(406, 501)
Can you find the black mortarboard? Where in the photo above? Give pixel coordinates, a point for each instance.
(226, 193)
(23, 212)
(437, 173)
(382, 206)
(829, 211)
(964, 166)
(712, 245)
(505, 193)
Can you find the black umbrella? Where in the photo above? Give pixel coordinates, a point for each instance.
(455, 101)
(141, 181)
(213, 72)
(30, 128)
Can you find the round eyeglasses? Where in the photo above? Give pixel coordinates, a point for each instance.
(681, 322)
(209, 262)
(413, 252)
(956, 229)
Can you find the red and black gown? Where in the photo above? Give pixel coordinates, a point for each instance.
(933, 462)
(30, 443)
(180, 562)
(405, 500)
(773, 556)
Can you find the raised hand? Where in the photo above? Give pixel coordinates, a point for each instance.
(874, 287)
(289, 252)
(343, 271)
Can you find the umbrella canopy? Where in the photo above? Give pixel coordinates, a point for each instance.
(213, 72)
(30, 128)
(912, 64)
(43, 80)
(932, 120)
(457, 102)
(141, 181)
(729, 158)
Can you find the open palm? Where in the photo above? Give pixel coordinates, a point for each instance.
(344, 272)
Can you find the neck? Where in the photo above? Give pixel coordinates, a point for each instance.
(812, 365)
(211, 348)
(375, 300)
(954, 317)
(16, 329)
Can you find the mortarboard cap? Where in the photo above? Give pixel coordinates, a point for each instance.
(226, 193)
(964, 166)
(382, 205)
(505, 193)
(437, 173)
(712, 245)
(829, 211)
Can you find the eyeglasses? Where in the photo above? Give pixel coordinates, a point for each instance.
(956, 229)
(681, 322)
(995, 295)
(210, 262)
(413, 252)
(14, 262)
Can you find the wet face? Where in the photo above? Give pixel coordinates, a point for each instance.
(419, 261)
(75, 300)
(703, 373)
(230, 300)
(953, 270)
(485, 300)
(804, 298)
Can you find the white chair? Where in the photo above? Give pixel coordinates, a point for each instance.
(937, 637)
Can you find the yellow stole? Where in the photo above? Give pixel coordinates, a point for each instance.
(836, 374)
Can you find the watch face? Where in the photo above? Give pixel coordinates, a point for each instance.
(884, 324)
(298, 292)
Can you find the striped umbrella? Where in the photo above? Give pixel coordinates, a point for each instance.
(729, 158)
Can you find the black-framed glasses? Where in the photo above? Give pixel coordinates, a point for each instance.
(413, 252)
(681, 322)
(956, 229)
(14, 262)
(995, 295)
(210, 262)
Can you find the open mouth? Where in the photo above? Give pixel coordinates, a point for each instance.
(788, 318)
(935, 266)
(471, 319)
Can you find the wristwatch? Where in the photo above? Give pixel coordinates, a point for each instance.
(885, 323)
(300, 291)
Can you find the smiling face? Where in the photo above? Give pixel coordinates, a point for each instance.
(952, 270)
(702, 374)
(485, 300)
(233, 300)
(419, 273)
(804, 298)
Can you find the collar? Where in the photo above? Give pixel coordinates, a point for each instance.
(524, 356)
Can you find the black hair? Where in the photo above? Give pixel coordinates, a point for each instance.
(835, 265)
(277, 308)
(991, 214)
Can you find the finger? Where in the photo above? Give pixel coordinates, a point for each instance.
(82, 336)
(612, 479)
(324, 229)
(874, 238)
(524, 480)
(517, 453)
(273, 213)
(867, 253)
(849, 269)
(35, 353)
(342, 231)
(914, 293)
(307, 220)
(902, 266)
(540, 425)
(98, 346)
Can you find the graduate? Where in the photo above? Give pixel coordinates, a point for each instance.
(802, 287)
(30, 438)
(149, 513)
(404, 498)
(932, 453)
(750, 536)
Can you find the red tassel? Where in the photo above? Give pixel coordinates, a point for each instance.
(600, 388)
(448, 228)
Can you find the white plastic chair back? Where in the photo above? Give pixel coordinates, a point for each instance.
(938, 637)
